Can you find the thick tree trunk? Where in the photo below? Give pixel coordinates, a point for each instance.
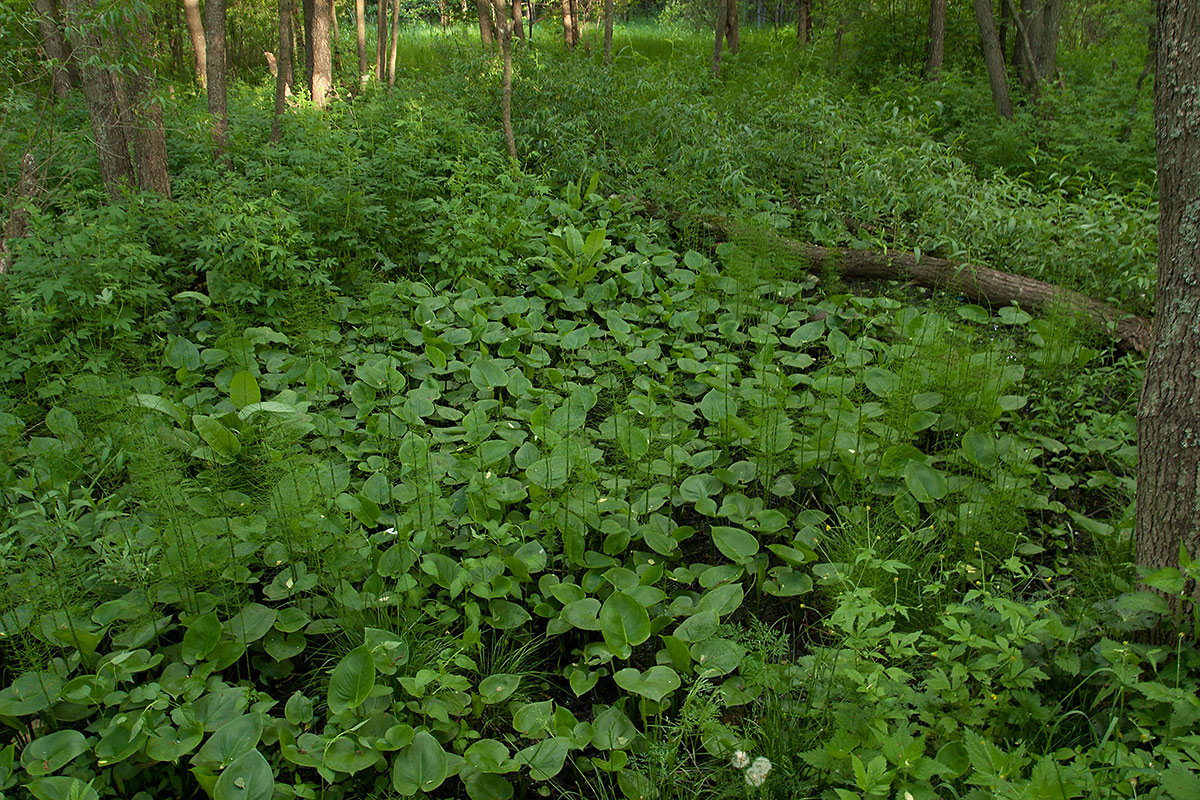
(322, 54)
(570, 21)
(285, 65)
(485, 21)
(100, 94)
(149, 136)
(518, 12)
(993, 57)
(1168, 490)
(309, 11)
(721, 26)
(1036, 47)
(935, 39)
(360, 32)
(608, 30)
(28, 187)
(195, 26)
(55, 45)
(732, 26)
(395, 53)
(803, 21)
(214, 26)
(381, 29)
(505, 30)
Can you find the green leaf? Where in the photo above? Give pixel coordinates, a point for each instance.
(498, 688)
(624, 623)
(352, 680)
(248, 778)
(200, 638)
(545, 759)
(53, 752)
(419, 767)
(29, 693)
(655, 683)
(488, 373)
(222, 440)
(734, 543)
(980, 449)
(156, 403)
(346, 754)
(699, 626)
(718, 405)
(926, 483)
(60, 788)
(489, 755)
(251, 623)
(243, 389)
(552, 471)
(231, 741)
(880, 382)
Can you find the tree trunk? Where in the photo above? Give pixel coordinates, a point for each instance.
(608, 30)
(1137, 93)
(395, 43)
(518, 12)
(360, 31)
(1046, 49)
(195, 26)
(935, 39)
(28, 187)
(485, 21)
(443, 14)
(732, 23)
(803, 21)
(721, 25)
(322, 55)
(576, 28)
(570, 19)
(1168, 492)
(381, 29)
(99, 93)
(993, 57)
(1036, 47)
(505, 30)
(55, 45)
(285, 65)
(149, 136)
(214, 25)
(309, 11)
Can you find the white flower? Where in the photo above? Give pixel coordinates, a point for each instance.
(908, 796)
(390, 532)
(740, 760)
(757, 773)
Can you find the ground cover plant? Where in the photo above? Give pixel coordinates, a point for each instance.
(376, 465)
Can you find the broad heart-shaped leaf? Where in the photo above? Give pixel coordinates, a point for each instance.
(60, 788)
(980, 449)
(486, 786)
(552, 471)
(222, 440)
(624, 623)
(925, 482)
(243, 389)
(251, 623)
(29, 693)
(248, 778)
(734, 543)
(717, 405)
(51, 753)
(699, 626)
(352, 680)
(655, 683)
(488, 373)
(498, 688)
(201, 637)
(489, 755)
(347, 754)
(545, 759)
(420, 767)
(231, 741)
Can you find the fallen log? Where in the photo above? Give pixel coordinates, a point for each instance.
(971, 281)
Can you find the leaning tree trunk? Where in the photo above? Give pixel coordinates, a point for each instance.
(284, 68)
(360, 32)
(721, 27)
(322, 54)
(214, 24)
(504, 27)
(55, 45)
(485, 21)
(99, 93)
(608, 31)
(1168, 490)
(935, 39)
(195, 26)
(993, 57)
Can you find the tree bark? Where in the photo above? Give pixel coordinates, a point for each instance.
(395, 44)
(284, 67)
(570, 21)
(803, 21)
(1036, 47)
(322, 55)
(1137, 93)
(381, 29)
(55, 45)
(485, 21)
(1168, 491)
(100, 95)
(721, 26)
(935, 39)
(505, 29)
(28, 187)
(149, 136)
(993, 57)
(732, 23)
(518, 12)
(360, 32)
(608, 30)
(195, 26)
(214, 25)
(309, 11)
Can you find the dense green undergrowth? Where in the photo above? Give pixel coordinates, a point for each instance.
(376, 467)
